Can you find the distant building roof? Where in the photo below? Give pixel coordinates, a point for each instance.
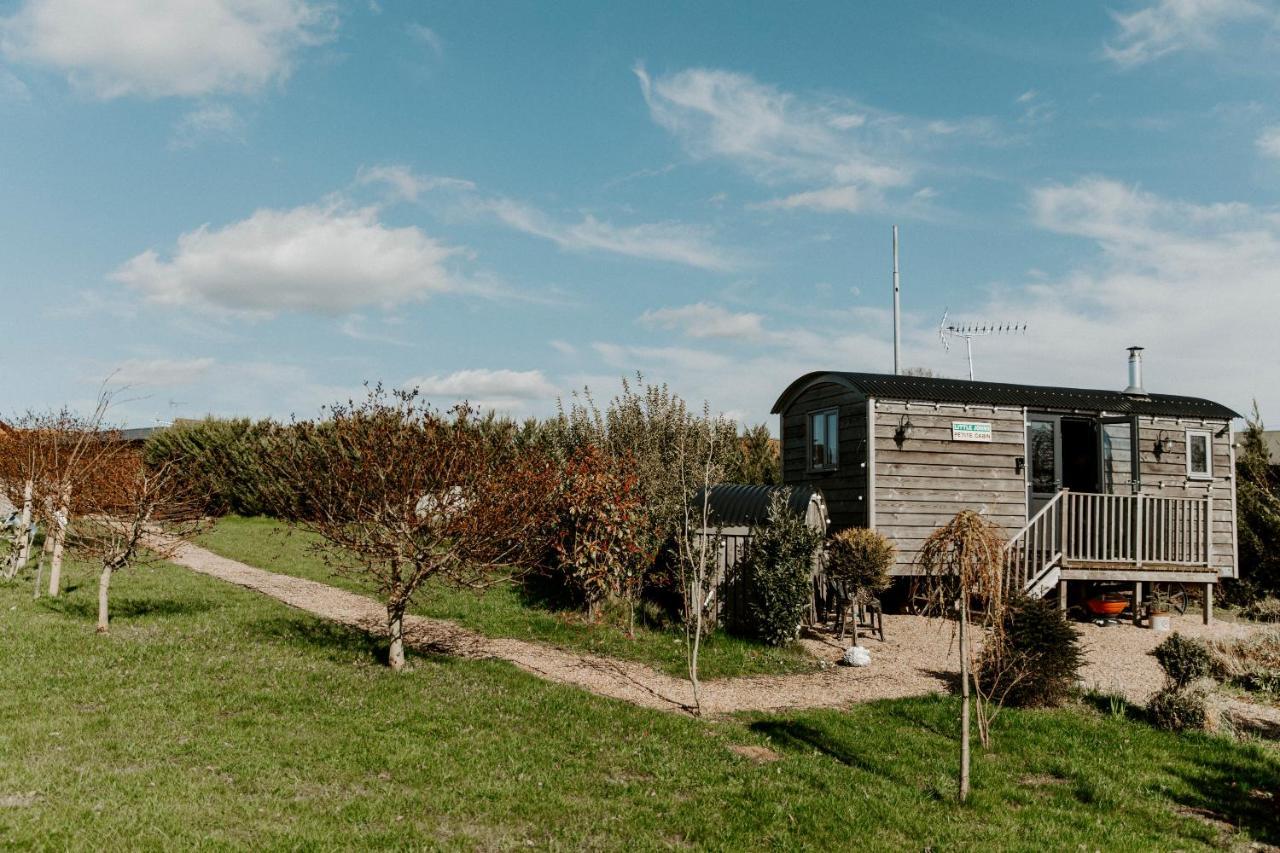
(139, 433)
(887, 386)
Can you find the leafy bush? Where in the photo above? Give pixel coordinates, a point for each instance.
(1179, 709)
(860, 559)
(1184, 659)
(1035, 659)
(603, 546)
(776, 573)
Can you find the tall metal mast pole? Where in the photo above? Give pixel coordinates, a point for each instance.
(897, 322)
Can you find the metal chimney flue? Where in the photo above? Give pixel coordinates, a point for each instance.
(1135, 372)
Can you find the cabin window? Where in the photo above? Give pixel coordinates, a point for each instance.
(1199, 454)
(824, 440)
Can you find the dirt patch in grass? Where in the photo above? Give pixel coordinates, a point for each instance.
(19, 801)
(758, 754)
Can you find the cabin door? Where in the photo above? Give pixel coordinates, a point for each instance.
(1044, 460)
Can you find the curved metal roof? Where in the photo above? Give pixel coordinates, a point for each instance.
(737, 505)
(928, 389)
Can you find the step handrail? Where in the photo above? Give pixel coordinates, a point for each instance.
(1044, 531)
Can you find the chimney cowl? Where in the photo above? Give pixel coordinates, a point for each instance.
(1135, 373)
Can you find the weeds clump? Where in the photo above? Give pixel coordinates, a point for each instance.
(1266, 609)
(1180, 709)
(1251, 663)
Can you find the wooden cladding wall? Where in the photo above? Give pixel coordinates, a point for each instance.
(1167, 476)
(844, 489)
(921, 484)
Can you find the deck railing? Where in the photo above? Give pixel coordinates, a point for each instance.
(1104, 530)
(1137, 529)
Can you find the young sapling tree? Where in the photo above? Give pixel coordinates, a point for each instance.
(402, 495)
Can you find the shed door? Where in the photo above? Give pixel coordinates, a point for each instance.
(1044, 461)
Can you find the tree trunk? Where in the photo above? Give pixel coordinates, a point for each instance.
(964, 699)
(24, 548)
(104, 584)
(395, 628)
(60, 535)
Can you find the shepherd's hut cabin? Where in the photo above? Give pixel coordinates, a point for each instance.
(1126, 486)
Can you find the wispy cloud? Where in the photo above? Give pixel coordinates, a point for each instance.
(1268, 142)
(427, 37)
(216, 122)
(159, 372)
(846, 199)
(703, 320)
(404, 184)
(1170, 26)
(140, 47)
(843, 156)
(670, 242)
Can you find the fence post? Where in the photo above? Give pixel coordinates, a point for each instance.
(1066, 525)
(1208, 529)
(1140, 528)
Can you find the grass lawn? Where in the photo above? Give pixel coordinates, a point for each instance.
(214, 717)
(506, 610)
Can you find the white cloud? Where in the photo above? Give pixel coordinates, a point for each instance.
(208, 122)
(563, 347)
(1269, 142)
(324, 259)
(160, 372)
(406, 185)
(1197, 284)
(846, 199)
(1170, 26)
(500, 390)
(671, 242)
(702, 320)
(154, 48)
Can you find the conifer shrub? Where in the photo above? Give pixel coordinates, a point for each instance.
(1184, 659)
(1036, 659)
(860, 559)
(1179, 709)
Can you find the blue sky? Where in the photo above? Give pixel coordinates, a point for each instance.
(254, 206)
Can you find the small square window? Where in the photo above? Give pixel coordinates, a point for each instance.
(1199, 455)
(824, 440)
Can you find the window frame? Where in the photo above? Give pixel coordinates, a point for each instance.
(825, 414)
(1207, 473)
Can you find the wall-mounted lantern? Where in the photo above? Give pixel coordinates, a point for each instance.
(1160, 447)
(904, 429)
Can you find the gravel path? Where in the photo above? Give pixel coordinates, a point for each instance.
(917, 657)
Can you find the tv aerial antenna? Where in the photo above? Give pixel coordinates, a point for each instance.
(969, 331)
